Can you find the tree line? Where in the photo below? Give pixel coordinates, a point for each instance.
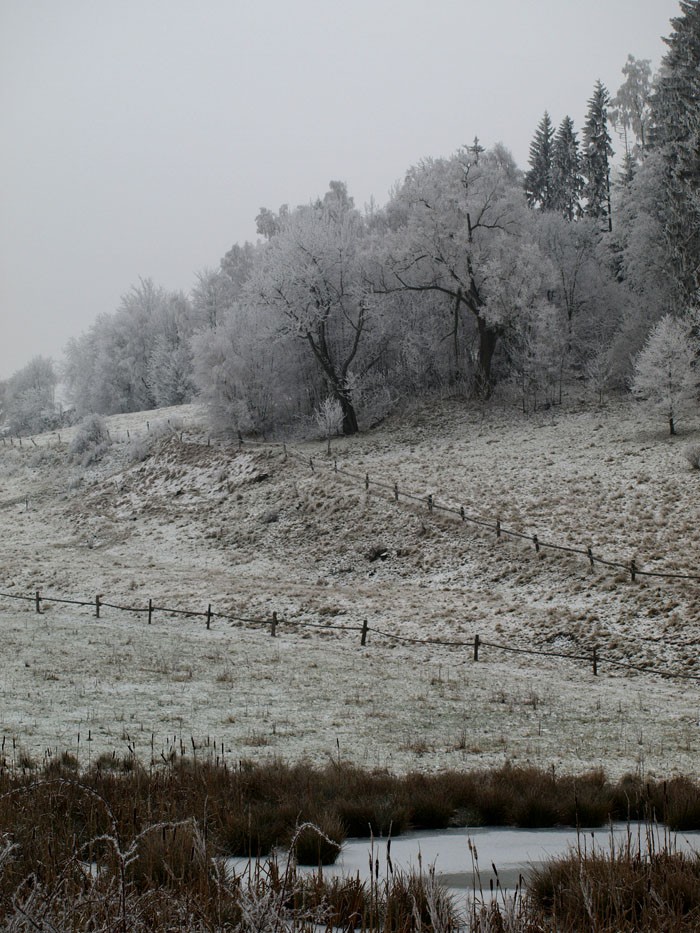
(472, 276)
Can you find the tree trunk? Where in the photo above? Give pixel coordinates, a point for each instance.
(350, 425)
(671, 424)
(488, 338)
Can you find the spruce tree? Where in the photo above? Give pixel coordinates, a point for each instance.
(566, 171)
(676, 135)
(597, 152)
(538, 181)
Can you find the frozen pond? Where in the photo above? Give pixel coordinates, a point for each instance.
(464, 858)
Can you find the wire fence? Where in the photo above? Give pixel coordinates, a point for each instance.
(474, 645)
(431, 503)
(495, 525)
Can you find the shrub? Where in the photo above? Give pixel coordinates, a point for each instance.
(90, 442)
(318, 843)
(692, 455)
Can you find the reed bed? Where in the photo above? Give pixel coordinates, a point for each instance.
(119, 846)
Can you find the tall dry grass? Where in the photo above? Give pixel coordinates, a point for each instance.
(120, 847)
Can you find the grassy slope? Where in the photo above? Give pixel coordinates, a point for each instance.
(251, 532)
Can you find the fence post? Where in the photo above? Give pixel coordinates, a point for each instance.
(209, 616)
(477, 642)
(284, 449)
(498, 528)
(273, 625)
(366, 480)
(595, 661)
(335, 465)
(590, 557)
(150, 610)
(633, 570)
(37, 601)
(430, 502)
(311, 463)
(363, 638)
(461, 513)
(536, 542)
(396, 492)
(98, 601)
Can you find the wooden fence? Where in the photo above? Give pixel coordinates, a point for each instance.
(474, 646)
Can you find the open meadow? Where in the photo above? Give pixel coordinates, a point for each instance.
(253, 530)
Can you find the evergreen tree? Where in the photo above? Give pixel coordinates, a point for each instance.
(597, 152)
(538, 181)
(566, 171)
(676, 135)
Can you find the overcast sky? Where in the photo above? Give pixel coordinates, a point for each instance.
(141, 137)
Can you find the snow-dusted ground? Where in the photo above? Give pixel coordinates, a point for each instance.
(251, 532)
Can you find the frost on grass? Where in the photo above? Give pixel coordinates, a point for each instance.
(251, 532)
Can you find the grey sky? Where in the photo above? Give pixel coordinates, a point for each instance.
(141, 137)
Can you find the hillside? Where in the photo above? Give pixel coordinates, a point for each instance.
(252, 531)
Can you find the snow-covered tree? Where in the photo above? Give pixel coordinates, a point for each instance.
(567, 182)
(311, 273)
(29, 397)
(169, 371)
(597, 152)
(249, 372)
(664, 371)
(460, 229)
(630, 111)
(135, 358)
(675, 135)
(538, 180)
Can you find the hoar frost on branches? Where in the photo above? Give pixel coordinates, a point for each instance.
(311, 274)
(664, 371)
(462, 234)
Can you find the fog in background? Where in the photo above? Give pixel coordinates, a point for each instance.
(141, 138)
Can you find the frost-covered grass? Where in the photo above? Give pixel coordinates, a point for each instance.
(252, 533)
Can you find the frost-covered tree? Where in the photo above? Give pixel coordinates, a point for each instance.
(584, 289)
(29, 397)
(311, 273)
(538, 180)
(169, 370)
(249, 373)
(630, 111)
(567, 182)
(595, 162)
(460, 231)
(211, 297)
(675, 136)
(135, 358)
(664, 371)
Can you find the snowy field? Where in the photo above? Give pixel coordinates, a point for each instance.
(250, 532)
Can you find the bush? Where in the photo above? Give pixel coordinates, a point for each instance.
(90, 442)
(318, 843)
(692, 455)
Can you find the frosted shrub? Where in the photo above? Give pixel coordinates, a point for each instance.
(90, 442)
(692, 455)
(329, 418)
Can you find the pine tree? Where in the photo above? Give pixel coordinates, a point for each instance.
(566, 171)
(538, 181)
(676, 135)
(597, 152)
